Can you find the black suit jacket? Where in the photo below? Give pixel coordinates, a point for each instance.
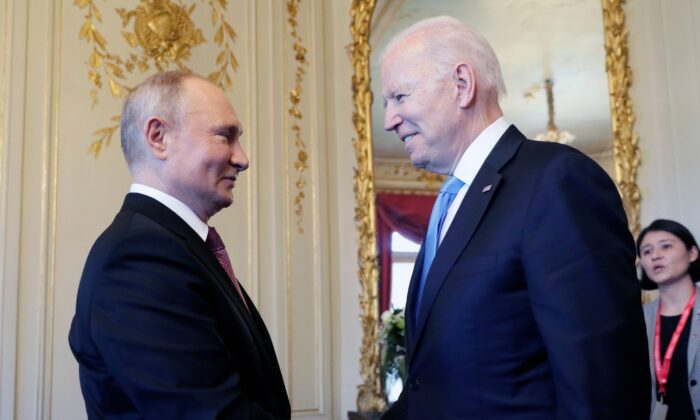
(531, 308)
(160, 332)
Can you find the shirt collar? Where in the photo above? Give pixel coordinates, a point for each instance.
(176, 206)
(477, 152)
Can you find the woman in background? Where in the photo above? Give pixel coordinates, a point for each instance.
(669, 257)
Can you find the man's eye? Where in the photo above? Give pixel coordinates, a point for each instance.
(400, 98)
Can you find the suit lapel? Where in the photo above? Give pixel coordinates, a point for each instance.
(651, 331)
(461, 230)
(167, 218)
(202, 252)
(469, 215)
(410, 311)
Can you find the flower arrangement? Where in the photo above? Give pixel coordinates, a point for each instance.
(393, 346)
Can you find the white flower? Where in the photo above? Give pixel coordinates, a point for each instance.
(386, 316)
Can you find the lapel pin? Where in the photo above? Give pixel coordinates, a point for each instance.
(486, 188)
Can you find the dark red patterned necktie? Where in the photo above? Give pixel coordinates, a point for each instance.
(216, 245)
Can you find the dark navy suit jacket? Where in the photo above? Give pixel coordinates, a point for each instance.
(531, 308)
(160, 332)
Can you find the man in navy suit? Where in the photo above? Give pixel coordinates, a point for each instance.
(163, 329)
(524, 302)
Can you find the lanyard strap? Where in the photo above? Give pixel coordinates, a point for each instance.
(664, 368)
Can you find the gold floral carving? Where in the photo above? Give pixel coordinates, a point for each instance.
(164, 32)
(369, 397)
(301, 163)
(625, 150)
(625, 140)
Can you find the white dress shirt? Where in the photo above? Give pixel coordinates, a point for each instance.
(470, 163)
(176, 206)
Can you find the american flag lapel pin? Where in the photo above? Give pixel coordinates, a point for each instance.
(486, 188)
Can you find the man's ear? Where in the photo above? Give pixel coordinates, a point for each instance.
(466, 84)
(155, 130)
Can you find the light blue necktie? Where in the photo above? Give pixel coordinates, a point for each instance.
(437, 217)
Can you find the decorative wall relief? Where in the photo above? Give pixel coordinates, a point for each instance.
(394, 175)
(301, 162)
(369, 396)
(625, 146)
(162, 34)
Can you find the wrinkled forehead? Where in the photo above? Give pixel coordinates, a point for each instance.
(204, 98)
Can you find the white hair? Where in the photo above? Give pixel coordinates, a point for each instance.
(159, 95)
(450, 42)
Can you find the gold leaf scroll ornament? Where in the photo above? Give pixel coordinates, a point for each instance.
(166, 34)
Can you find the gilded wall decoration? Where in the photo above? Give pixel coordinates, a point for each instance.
(431, 180)
(626, 154)
(399, 175)
(162, 34)
(369, 396)
(625, 145)
(301, 162)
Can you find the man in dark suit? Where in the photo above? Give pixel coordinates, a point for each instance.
(163, 329)
(524, 302)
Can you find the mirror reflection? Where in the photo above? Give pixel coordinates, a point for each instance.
(553, 60)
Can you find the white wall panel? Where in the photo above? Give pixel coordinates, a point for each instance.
(665, 57)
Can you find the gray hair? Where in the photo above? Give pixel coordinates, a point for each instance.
(161, 95)
(451, 42)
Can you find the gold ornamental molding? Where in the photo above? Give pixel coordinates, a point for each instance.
(301, 162)
(391, 175)
(625, 151)
(369, 396)
(162, 36)
(625, 140)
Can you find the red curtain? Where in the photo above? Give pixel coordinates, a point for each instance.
(407, 214)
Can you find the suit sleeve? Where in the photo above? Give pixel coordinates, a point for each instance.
(155, 327)
(578, 259)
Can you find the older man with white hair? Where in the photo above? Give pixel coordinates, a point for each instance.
(524, 302)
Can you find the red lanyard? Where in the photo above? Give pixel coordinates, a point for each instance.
(663, 369)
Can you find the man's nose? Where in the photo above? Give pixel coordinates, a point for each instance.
(391, 118)
(239, 158)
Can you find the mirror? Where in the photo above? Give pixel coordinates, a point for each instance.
(570, 43)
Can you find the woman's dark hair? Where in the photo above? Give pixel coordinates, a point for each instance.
(678, 230)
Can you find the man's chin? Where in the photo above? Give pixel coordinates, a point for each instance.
(418, 164)
(225, 202)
